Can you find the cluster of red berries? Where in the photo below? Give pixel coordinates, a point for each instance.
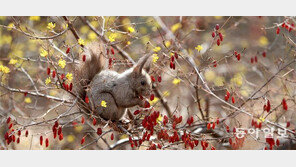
(153, 78)
(217, 33)
(254, 59)
(56, 130)
(269, 140)
(172, 62)
(67, 87)
(214, 63)
(150, 121)
(227, 96)
(289, 27)
(10, 134)
(256, 124)
(237, 55)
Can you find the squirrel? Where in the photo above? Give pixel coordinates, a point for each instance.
(118, 91)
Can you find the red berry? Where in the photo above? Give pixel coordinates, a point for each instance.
(288, 124)
(213, 34)
(268, 106)
(152, 78)
(213, 125)
(220, 36)
(136, 112)
(62, 76)
(71, 87)
(159, 146)
(27, 133)
(56, 124)
(152, 97)
(8, 120)
(112, 136)
(230, 141)
(264, 54)
(82, 120)
(18, 140)
(61, 136)
(46, 142)
(159, 78)
(255, 58)
(277, 142)
(94, 121)
(172, 58)
(171, 65)
(99, 131)
(112, 51)
(48, 70)
(232, 99)
(284, 103)
(226, 98)
(86, 100)
(147, 104)
(238, 56)
(59, 130)
(68, 50)
(10, 126)
(19, 133)
(176, 55)
(41, 140)
(209, 126)
(83, 58)
(217, 27)
(218, 42)
(278, 30)
(53, 74)
(252, 60)
(82, 140)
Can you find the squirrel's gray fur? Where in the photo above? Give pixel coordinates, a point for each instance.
(118, 90)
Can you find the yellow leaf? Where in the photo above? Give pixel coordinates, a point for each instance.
(70, 138)
(112, 37)
(4, 69)
(176, 81)
(198, 48)
(81, 42)
(12, 61)
(175, 27)
(155, 58)
(157, 49)
(51, 26)
(47, 81)
(43, 53)
(34, 18)
(62, 63)
(10, 26)
(28, 100)
(103, 103)
(131, 29)
(69, 76)
(263, 41)
(167, 43)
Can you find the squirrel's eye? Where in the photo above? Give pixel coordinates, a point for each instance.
(143, 82)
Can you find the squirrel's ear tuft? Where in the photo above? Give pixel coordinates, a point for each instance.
(144, 62)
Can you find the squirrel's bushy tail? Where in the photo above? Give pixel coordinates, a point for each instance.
(85, 71)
